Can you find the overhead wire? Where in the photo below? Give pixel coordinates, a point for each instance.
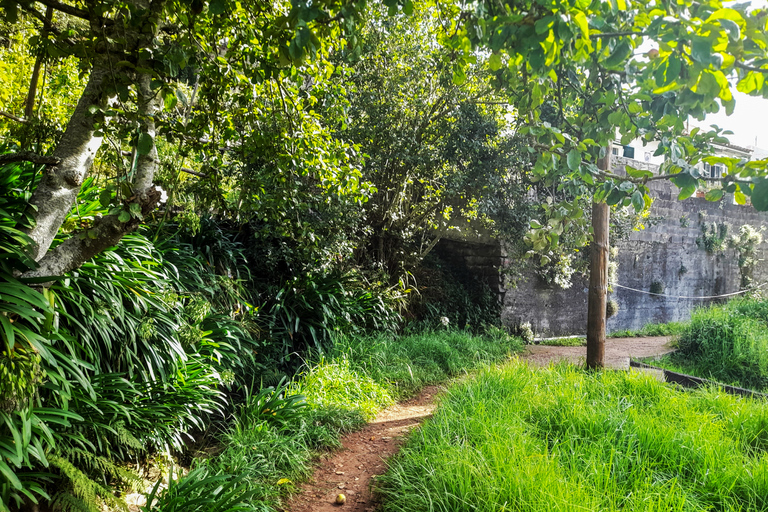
(707, 297)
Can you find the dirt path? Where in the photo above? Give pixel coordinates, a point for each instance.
(617, 351)
(351, 470)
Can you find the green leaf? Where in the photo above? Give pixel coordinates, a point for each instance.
(739, 197)
(637, 201)
(760, 195)
(714, 195)
(124, 216)
(686, 192)
(459, 76)
(668, 71)
(105, 198)
(614, 197)
(637, 173)
(701, 50)
(217, 6)
(619, 55)
(144, 144)
(574, 159)
(581, 21)
(495, 62)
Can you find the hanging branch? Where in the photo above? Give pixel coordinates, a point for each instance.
(28, 156)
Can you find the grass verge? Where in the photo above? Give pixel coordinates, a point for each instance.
(561, 439)
(668, 329)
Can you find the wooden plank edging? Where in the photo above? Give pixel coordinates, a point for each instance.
(690, 381)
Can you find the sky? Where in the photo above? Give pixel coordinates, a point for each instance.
(749, 120)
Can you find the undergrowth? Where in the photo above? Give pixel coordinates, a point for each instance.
(517, 438)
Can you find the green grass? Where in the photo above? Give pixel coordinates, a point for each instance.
(562, 439)
(727, 343)
(571, 341)
(404, 365)
(668, 329)
(335, 384)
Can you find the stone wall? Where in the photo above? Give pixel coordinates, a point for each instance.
(665, 251)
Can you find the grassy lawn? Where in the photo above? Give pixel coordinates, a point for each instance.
(561, 439)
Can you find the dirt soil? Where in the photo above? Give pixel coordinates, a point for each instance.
(352, 469)
(617, 351)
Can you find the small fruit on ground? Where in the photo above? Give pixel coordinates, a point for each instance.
(341, 499)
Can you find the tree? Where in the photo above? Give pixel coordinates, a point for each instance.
(138, 56)
(434, 149)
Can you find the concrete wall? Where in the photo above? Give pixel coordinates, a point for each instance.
(666, 252)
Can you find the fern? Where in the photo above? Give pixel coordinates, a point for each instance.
(81, 493)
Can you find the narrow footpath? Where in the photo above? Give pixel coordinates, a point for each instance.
(352, 469)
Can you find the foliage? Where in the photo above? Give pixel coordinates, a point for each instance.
(571, 341)
(746, 243)
(727, 343)
(201, 491)
(275, 405)
(558, 438)
(714, 237)
(307, 312)
(438, 154)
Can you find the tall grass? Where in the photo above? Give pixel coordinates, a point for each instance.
(560, 439)
(728, 343)
(407, 363)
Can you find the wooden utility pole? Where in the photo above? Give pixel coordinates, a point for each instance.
(598, 277)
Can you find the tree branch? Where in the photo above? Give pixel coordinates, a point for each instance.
(616, 34)
(194, 173)
(84, 245)
(67, 9)
(28, 156)
(745, 67)
(45, 20)
(12, 117)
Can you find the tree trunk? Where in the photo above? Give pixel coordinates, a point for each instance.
(55, 195)
(598, 278)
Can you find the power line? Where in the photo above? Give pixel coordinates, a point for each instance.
(689, 297)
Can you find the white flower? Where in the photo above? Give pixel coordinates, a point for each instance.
(444, 320)
(163, 195)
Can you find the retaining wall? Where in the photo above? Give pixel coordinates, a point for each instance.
(666, 252)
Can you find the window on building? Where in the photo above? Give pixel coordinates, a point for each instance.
(615, 151)
(713, 170)
(629, 152)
